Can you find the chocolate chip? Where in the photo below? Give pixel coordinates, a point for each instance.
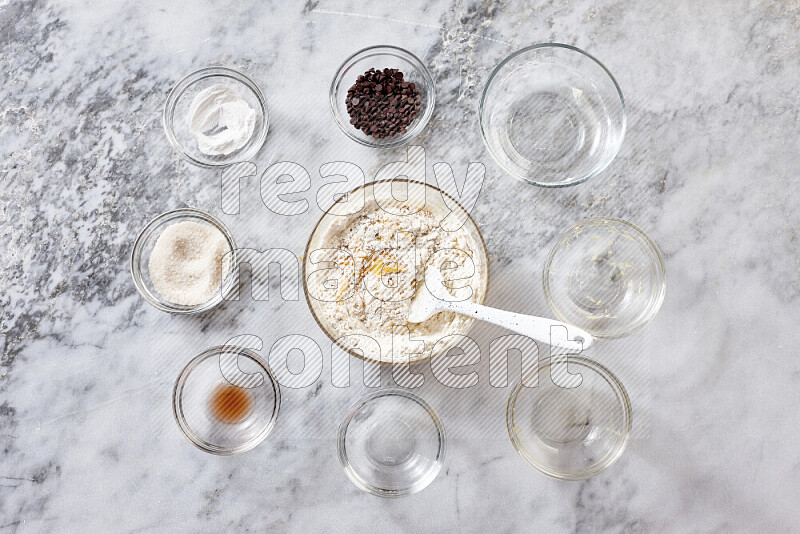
(381, 104)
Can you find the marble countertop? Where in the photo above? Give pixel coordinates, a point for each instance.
(708, 169)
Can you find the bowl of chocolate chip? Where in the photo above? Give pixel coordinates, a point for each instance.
(382, 96)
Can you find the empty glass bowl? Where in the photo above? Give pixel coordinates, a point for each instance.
(226, 400)
(552, 115)
(177, 123)
(391, 443)
(606, 276)
(570, 433)
(381, 57)
(143, 247)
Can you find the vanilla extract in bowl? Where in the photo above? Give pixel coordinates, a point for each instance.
(230, 404)
(226, 400)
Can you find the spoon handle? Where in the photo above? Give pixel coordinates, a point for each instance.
(536, 328)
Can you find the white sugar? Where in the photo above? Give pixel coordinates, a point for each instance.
(186, 265)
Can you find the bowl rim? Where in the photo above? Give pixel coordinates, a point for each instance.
(341, 444)
(610, 457)
(482, 108)
(167, 116)
(352, 352)
(161, 303)
(177, 404)
(412, 60)
(658, 262)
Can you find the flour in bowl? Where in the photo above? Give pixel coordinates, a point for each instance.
(381, 258)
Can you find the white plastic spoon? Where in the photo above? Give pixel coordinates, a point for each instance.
(437, 299)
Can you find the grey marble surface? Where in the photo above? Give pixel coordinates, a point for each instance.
(708, 168)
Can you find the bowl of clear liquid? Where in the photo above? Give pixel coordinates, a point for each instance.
(391, 443)
(552, 115)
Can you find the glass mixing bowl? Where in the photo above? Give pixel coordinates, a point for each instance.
(176, 115)
(420, 193)
(570, 433)
(143, 247)
(552, 115)
(606, 276)
(381, 57)
(256, 400)
(391, 443)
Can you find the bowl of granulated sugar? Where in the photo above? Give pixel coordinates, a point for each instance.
(183, 262)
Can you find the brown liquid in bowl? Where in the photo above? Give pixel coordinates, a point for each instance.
(230, 404)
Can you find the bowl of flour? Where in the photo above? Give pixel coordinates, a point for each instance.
(369, 253)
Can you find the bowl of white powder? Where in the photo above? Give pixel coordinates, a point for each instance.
(369, 253)
(183, 262)
(216, 116)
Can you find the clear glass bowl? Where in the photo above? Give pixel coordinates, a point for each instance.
(570, 433)
(226, 366)
(606, 276)
(381, 57)
(432, 198)
(552, 115)
(391, 443)
(143, 247)
(176, 115)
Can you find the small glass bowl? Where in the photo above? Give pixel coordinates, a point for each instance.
(226, 366)
(143, 247)
(606, 276)
(176, 115)
(391, 443)
(570, 433)
(381, 57)
(551, 115)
